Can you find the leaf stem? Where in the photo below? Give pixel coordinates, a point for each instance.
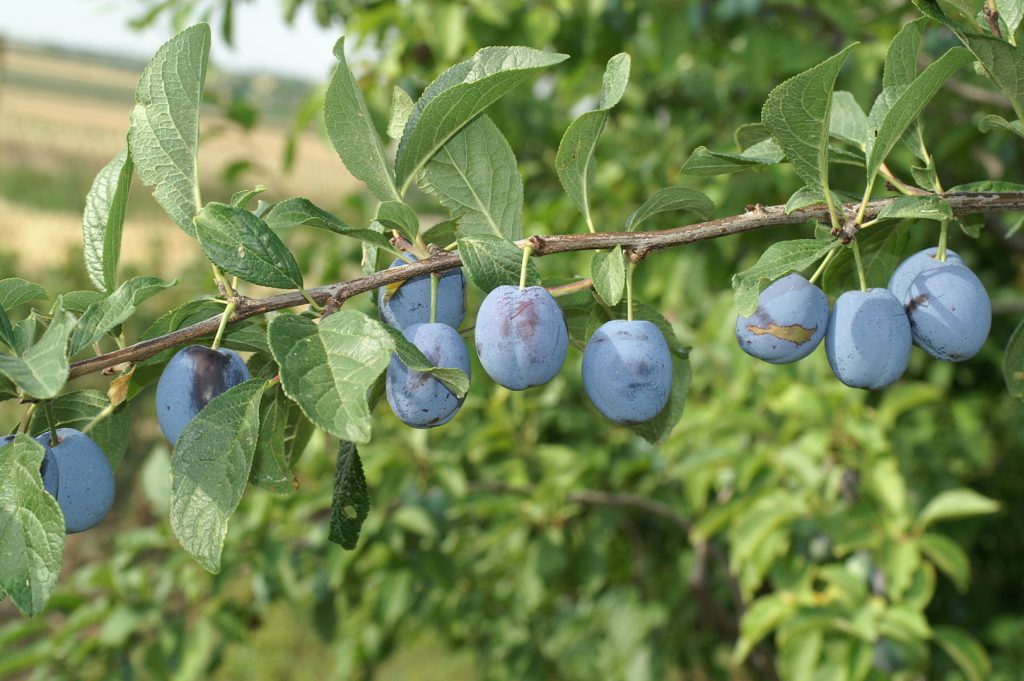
(23, 428)
(860, 266)
(940, 254)
(228, 311)
(527, 252)
(630, 266)
(51, 423)
(864, 202)
(434, 278)
(824, 263)
(226, 289)
(309, 299)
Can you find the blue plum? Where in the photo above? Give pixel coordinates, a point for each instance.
(789, 322)
(193, 377)
(950, 312)
(47, 469)
(417, 398)
(627, 370)
(868, 339)
(903, 277)
(86, 491)
(521, 336)
(410, 304)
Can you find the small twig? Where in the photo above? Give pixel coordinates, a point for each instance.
(992, 17)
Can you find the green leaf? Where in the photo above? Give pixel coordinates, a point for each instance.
(455, 380)
(475, 176)
(903, 624)
(42, 370)
(397, 215)
(401, 109)
(7, 331)
(672, 199)
(897, 107)
(965, 651)
(763, 615)
(574, 161)
(103, 220)
(458, 96)
(811, 196)
(797, 115)
(918, 208)
(270, 465)
(31, 528)
(243, 245)
(706, 163)
(241, 199)
(299, 211)
(327, 369)
(350, 503)
(1004, 64)
(881, 250)
(1013, 363)
(76, 409)
(949, 557)
(79, 301)
(993, 122)
(608, 272)
(15, 292)
(780, 259)
(1011, 12)
(164, 135)
(847, 121)
(350, 129)
(901, 57)
(491, 261)
(988, 186)
(210, 467)
(104, 315)
(955, 503)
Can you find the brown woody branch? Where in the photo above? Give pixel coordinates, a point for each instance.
(640, 244)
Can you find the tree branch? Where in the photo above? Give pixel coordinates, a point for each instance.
(639, 243)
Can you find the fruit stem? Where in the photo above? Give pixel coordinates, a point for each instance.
(860, 267)
(630, 266)
(228, 311)
(940, 254)
(51, 423)
(225, 287)
(824, 263)
(434, 277)
(27, 417)
(527, 252)
(104, 413)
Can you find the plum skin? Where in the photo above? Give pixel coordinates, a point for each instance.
(521, 336)
(417, 398)
(788, 324)
(627, 371)
(194, 376)
(410, 304)
(868, 339)
(48, 470)
(907, 271)
(950, 312)
(86, 491)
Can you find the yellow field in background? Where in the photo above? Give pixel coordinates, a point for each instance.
(60, 112)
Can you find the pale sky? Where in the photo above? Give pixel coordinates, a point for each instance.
(263, 42)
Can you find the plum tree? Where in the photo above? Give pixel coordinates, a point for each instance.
(410, 303)
(521, 336)
(908, 269)
(194, 376)
(86, 490)
(417, 398)
(949, 310)
(789, 322)
(627, 370)
(868, 339)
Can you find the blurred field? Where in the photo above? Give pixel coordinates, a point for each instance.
(63, 116)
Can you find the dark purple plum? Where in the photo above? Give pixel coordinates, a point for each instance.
(417, 398)
(193, 377)
(86, 491)
(950, 312)
(789, 322)
(868, 339)
(410, 303)
(907, 271)
(627, 371)
(521, 336)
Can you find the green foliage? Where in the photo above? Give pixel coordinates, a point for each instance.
(103, 220)
(244, 245)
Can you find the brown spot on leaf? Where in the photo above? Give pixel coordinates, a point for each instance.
(793, 333)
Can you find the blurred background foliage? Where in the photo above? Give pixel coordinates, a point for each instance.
(529, 538)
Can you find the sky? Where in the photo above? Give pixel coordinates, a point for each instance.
(263, 42)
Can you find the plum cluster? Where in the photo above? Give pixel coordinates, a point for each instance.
(939, 305)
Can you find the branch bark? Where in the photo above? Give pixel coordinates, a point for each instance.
(639, 243)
